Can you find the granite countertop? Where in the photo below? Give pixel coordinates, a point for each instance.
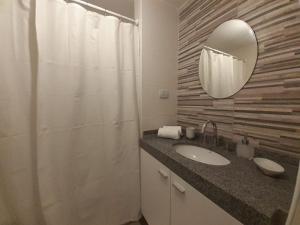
(239, 188)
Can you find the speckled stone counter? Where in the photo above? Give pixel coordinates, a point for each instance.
(239, 188)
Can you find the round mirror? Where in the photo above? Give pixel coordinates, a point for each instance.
(228, 59)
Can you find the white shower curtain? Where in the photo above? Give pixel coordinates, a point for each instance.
(19, 202)
(222, 75)
(69, 136)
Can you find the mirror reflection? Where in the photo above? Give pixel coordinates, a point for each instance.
(228, 59)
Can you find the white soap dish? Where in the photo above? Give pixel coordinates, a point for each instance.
(269, 167)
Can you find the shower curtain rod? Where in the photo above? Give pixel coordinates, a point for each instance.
(105, 11)
(224, 53)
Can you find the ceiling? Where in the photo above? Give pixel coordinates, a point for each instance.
(125, 7)
(178, 3)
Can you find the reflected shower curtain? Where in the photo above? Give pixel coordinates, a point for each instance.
(69, 134)
(222, 75)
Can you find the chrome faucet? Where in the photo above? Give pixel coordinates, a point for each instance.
(212, 140)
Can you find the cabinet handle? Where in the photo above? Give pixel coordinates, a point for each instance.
(163, 174)
(179, 187)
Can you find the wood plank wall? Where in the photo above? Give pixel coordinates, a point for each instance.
(268, 107)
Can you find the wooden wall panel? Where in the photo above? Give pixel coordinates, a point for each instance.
(268, 107)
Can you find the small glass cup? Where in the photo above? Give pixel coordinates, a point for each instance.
(190, 132)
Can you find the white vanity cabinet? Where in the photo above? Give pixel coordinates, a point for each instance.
(189, 206)
(155, 185)
(169, 200)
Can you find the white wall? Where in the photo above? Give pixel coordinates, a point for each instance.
(248, 54)
(158, 27)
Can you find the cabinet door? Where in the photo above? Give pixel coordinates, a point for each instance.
(155, 186)
(188, 206)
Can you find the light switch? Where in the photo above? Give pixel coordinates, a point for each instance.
(164, 93)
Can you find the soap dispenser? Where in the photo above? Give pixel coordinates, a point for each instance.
(244, 149)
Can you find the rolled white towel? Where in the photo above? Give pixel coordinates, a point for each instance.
(168, 133)
(174, 128)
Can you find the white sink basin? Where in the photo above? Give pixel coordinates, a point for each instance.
(201, 155)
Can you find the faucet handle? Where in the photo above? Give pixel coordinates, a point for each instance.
(203, 128)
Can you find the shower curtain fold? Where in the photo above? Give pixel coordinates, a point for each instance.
(85, 156)
(18, 184)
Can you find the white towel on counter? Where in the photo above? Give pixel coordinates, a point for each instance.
(166, 132)
(174, 128)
